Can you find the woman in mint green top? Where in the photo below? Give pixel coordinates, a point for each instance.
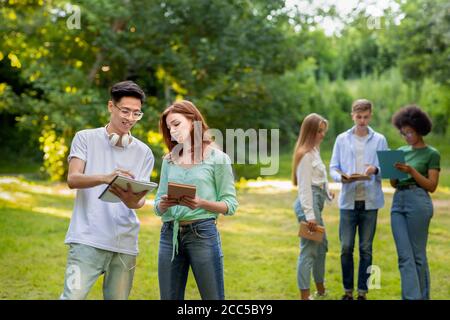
(412, 208)
(189, 237)
(214, 180)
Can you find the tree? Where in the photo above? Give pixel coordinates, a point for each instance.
(422, 40)
(216, 53)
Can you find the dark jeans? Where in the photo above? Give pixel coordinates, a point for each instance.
(199, 248)
(363, 221)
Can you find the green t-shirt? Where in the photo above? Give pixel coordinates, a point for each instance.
(422, 160)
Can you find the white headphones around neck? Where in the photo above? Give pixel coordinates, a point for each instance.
(114, 139)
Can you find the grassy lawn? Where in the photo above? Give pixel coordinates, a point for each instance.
(260, 246)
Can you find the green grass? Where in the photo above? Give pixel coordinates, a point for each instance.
(18, 166)
(259, 243)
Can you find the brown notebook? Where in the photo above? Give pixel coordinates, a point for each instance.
(178, 190)
(317, 235)
(353, 176)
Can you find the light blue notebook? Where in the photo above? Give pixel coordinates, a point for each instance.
(387, 159)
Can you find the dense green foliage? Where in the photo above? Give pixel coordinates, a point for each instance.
(246, 64)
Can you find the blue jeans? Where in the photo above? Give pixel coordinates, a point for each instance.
(85, 264)
(411, 213)
(312, 253)
(365, 222)
(199, 247)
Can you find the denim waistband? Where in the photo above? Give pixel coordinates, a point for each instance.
(178, 229)
(360, 205)
(320, 189)
(408, 187)
(187, 227)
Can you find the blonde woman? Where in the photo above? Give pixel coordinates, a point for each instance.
(309, 173)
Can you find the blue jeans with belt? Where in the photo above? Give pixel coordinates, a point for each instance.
(411, 214)
(364, 222)
(312, 253)
(199, 248)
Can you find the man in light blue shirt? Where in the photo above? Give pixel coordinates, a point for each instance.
(355, 151)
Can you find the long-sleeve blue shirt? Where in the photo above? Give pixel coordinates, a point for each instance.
(344, 159)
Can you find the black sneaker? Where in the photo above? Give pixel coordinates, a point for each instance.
(361, 297)
(347, 297)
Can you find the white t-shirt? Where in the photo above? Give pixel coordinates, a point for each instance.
(360, 144)
(104, 225)
(311, 171)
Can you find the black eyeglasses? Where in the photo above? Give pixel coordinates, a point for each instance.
(136, 115)
(407, 134)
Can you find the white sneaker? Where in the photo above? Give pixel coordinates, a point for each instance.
(318, 295)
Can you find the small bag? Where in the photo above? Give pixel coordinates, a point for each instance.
(317, 235)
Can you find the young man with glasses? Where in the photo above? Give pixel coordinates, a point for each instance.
(103, 236)
(355, 151)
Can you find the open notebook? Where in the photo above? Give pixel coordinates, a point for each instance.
(121, 181)
(353, 176)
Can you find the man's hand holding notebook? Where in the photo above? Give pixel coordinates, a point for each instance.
(352, 177)
(125, 183)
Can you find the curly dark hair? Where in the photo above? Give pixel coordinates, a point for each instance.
(414, 117)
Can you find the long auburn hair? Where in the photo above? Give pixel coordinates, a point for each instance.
(190, 111)
(306, 140)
